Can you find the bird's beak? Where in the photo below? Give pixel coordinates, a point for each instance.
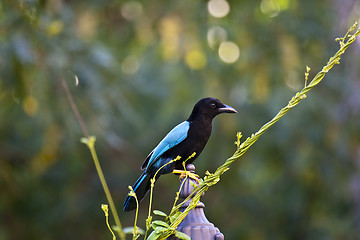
(227, 109)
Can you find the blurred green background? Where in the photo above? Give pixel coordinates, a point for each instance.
(141, 67)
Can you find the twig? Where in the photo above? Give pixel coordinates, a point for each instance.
(74, 108)
(90, 142)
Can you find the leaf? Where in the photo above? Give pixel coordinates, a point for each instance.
(115, 228)
(90, 141)
(174, 217)
(129, 230)
(159, 213)
(160, 229)
(182, 235)
(153, 236)
(84, 140)
(193, 184)
(157, 223)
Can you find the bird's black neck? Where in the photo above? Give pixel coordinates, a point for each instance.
(197, 117)
(194, 114)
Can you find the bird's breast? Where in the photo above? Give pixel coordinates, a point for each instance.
(197, 137)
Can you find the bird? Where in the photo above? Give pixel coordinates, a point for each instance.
(184, 142)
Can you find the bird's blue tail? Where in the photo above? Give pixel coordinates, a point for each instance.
(141, 187)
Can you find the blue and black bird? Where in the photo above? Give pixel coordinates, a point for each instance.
(183, 140)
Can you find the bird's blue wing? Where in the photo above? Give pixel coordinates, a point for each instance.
(173, 138)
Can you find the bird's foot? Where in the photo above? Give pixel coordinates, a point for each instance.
(184, 174)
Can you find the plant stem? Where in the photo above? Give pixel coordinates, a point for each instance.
(212, 179)
(104, 207)
(91, 144)
(135, 235)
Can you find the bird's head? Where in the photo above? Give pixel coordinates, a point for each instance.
(210, 107)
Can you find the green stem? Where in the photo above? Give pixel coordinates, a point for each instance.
(178, 192)
(104, 207)
(149, 218)
(151, 196)
(135, 235)
(90, 142)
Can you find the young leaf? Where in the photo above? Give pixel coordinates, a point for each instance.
(159, 213)
(159, 229)
(154, 236)
(181, 235)
(174, 217)
(157, 223)
(84, 140)
(129, 230)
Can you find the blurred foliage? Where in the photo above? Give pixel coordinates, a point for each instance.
(141, 66)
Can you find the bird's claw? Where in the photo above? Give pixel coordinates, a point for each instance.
(189, 174)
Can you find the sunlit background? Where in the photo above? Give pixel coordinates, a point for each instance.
(141, 66)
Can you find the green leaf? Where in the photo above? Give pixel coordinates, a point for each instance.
(84, 140)
(193, 184)
(129, 230)
(153, 236)
(160, 229)
(159, 213)
(181, 235)
(174, 217)
(157, 223)
(116, 228)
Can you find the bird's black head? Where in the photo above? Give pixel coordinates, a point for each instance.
(209, 107)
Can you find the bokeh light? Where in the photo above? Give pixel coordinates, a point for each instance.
(195, 59)
(86, 25)
(30, 106)
(131, 10)
(270, 8)
(218, 8)
(229, 52)
(55, 28)
(216, 35)
(170, 30)
(130, 65)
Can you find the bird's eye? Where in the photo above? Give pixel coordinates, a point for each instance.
(212, 105)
